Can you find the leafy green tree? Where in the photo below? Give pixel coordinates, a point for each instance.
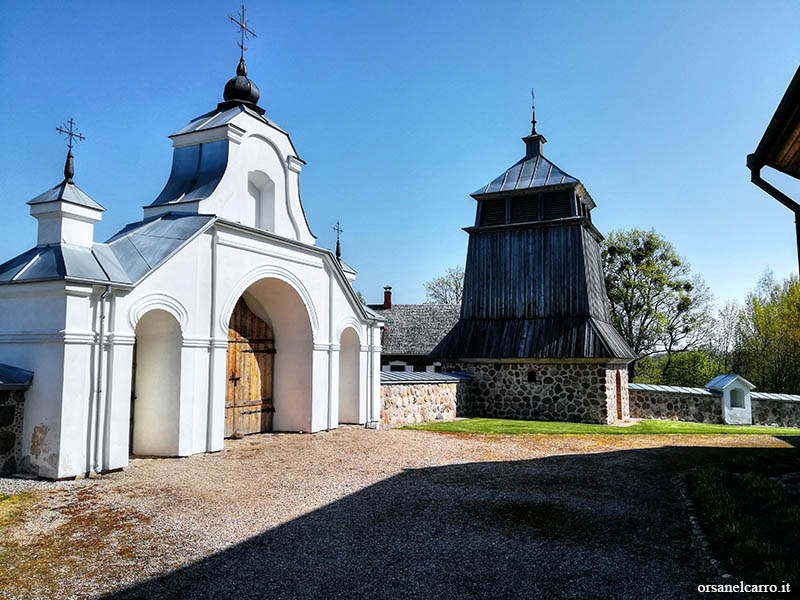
(768, 346)
(447, 289)
(693, 368)
(657, 304)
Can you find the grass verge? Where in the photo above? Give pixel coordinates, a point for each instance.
(507, 426)
(12, 506)
(750, 512)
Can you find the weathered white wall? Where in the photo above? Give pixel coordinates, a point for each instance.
(733, 415)
(158, 385)
(349, 379)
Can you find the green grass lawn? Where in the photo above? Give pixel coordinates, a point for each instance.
(751, 519)
(507, 426)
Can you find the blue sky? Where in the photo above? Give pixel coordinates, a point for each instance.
(402, 109)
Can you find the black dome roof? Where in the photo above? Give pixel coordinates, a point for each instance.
(240, 88)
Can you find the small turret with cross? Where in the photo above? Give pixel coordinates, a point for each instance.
(73, 137)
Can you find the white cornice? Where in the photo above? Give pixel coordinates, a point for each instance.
(261, 248)
(120, 339)
(227, 131)
(295, 164)
(59, 337)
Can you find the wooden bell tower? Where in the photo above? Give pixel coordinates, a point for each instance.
(534, 290)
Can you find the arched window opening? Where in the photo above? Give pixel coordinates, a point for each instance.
(261, 190)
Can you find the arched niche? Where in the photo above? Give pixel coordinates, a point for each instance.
(349, 376)
(155, 397)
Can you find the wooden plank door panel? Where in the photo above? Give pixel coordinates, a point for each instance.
(248, 398)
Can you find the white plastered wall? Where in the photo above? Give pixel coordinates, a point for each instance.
(53, 329)
(733, 415)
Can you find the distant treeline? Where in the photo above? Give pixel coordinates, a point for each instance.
(666, 315)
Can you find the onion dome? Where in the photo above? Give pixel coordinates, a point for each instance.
(240, 88)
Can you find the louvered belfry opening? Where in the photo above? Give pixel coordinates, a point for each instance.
(492, 212)
(534, 300)
(557, 205)
(525, 209)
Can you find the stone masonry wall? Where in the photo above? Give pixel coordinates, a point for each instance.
(406, 404)
(784, 413)
(11, 409)
(611, 394)
(579, 392)
(675, 406)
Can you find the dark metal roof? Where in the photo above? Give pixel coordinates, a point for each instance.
(12, 378)
(395, 377)
(197, 169)
(221, 116)
(528, 173)
(66, 191)
(415, 329)
(557, 338)
(779, 148)
(144, 245)
(196, 173)
(124, 259)
(720, 382)
(347, 268)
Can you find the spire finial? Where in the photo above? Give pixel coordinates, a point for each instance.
(245, 31)
(533, 112)
(73, 137)
(338, 231)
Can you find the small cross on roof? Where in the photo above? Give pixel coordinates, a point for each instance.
(70, 132)
(245, 31)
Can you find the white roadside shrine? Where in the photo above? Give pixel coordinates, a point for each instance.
(214, 315)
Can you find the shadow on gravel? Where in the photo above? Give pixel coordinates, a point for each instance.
(607, 525)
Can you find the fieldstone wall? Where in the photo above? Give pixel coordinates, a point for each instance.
(675, 406)
(409, 403)
(784, 413)
(11, 409)
(617, 379)
(578, 392)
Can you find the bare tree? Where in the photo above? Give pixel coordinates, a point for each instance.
(447, 289)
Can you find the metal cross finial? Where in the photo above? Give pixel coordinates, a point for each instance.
(338, 231)
(69, 166)
(245, 31)
(70, 133)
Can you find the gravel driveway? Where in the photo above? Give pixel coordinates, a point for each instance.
(380, 514)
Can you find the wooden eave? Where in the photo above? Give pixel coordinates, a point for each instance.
(779, 148)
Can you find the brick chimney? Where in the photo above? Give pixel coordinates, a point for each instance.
(387, 297)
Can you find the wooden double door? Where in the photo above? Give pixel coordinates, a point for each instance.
(251, 358)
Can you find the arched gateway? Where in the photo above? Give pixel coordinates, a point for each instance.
(248, 395)
(233, 309)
